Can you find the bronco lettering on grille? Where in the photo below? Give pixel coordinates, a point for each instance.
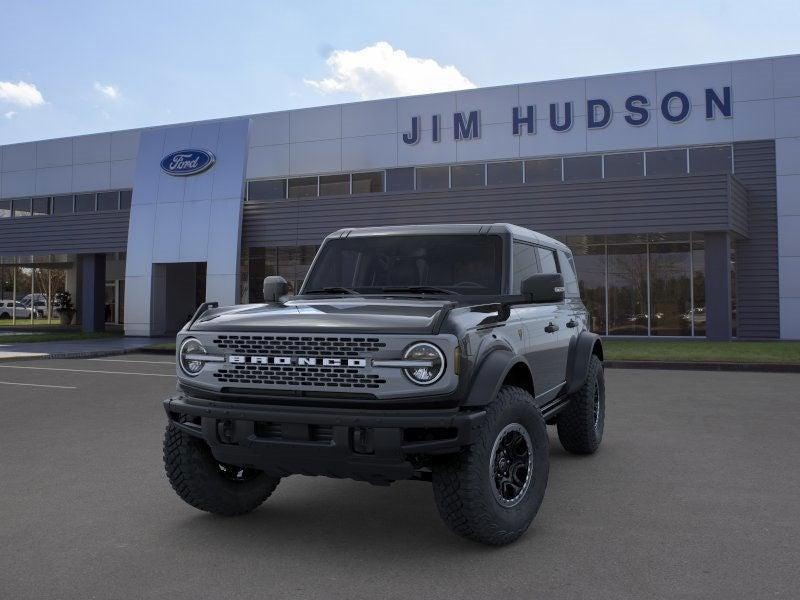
(302, 361)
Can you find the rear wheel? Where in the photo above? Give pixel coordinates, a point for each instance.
(581, 423)
(491, 491)
(205, 483)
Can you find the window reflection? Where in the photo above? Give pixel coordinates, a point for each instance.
(670, 294)
(590, 262)
(627, 289)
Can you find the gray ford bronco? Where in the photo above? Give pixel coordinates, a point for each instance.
(437, 353)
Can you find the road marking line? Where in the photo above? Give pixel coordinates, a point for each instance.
(61, 387)
(149, 362)
(86, 371)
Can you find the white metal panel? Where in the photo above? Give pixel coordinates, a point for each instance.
(270, 129)
(124, 144)
(221, 288)
(141, 230)
(790, 318)
(322, 156)
(148, 171)
(369, 152)
(228, 172)
(788, 195)
(424, 107)
(54, 153)
(752, 79)
(308, 124)
(787, 156)
(696, 129)
(137, 304)
(544, 93)
(19, 183)
(789, 268)
(223, 238)
(787, 117)
(19, 157)
(620, 135)
(369, 118)
(92, 148)
(122, 172)
(788, 240)
(753, 120)
(616, 89)
(91, 177)
(54, 180)
(496, 142)
(268, 161)
(195, 227)
(693, 82)
(205, 136)
(495, 104)
(549, 142)
(427, 152)
(787, 76)
(166, 243)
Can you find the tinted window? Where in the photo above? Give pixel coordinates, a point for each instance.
(334, 185)
(666, 162)
(125, 199)
(271, 189)
(504, 173)
(714, 159)
(41, 206)
(543, 171)
(525, 265)
(84, 203)
(303, 187)
(468, 175)
(22, 207)
(433, 178)
(400, 180)
(577, 168)
(62, 205)
(547, 260)
(108, 201)
(367, 183)
(570, 278)
(5, 209)
(465, 264)
(630, 164)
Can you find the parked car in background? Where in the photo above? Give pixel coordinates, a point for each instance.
(14, 308)
(39, 305)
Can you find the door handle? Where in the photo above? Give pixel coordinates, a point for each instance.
(572, 323)
(551, 328)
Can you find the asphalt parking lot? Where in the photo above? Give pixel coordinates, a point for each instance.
(694, 494)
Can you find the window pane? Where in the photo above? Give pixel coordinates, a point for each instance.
(108, 201)
(590, 262)
(334, 185)
(256, 271)
(84, 202)
(578, 168)
(41, 206)
(670, 296)
(715, 159)
(623, 165)
(504, 173)
(627, 289)
(468, 175)
(666, 162)
(303, 187)
(272, 189)
(125, 199)
(400, 180)
(568, 269)
(433, 178)
(62, 205)
(525, 265)
(5, 209)
(547, 260)
(543, 171)
(22, 207)
(699, 286)
(367, 183)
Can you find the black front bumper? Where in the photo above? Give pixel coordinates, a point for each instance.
(373, 445)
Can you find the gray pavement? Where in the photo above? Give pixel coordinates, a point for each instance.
(78, 348)
(694, 494)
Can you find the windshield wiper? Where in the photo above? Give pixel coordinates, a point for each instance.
(417, 289)
(332, 290)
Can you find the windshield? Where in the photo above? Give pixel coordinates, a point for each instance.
(417, 264)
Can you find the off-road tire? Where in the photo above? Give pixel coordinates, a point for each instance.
(197, 478)
(580, 429)
(463, 483)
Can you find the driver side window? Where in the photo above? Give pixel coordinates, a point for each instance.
(525, 265)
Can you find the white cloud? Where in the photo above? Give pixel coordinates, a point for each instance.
(109, 91)
(20, 93)
(380, 71)
(10, 114)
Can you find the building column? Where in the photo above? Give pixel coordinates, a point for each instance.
(718, 286)
(93, 292)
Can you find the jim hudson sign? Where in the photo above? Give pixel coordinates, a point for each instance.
(674, 107)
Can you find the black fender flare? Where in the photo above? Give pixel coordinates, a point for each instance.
(490, 374)
(581, 348)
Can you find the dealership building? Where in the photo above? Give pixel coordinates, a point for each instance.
(677, 189)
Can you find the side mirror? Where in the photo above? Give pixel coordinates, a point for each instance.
(544, 288)
(275, 286)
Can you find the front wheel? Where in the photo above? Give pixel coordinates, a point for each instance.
(203, 482)
(491, 491)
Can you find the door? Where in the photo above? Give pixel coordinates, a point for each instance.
(561, 316)
(540, 326)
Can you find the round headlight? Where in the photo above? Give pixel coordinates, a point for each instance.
(190, 348)
(428, 353)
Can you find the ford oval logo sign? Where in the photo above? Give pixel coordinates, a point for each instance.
(187, 162)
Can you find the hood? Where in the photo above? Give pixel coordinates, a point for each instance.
(334, 315)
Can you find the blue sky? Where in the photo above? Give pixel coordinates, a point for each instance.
(69, 68)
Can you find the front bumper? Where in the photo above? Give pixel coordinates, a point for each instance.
(373, 445)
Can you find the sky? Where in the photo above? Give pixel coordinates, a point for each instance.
(71, 68)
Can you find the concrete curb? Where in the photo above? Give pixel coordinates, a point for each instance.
(703, 366)
(87, 354)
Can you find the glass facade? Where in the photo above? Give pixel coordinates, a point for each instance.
(290, 262)
(643, 285)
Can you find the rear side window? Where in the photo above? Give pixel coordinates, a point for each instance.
(547, 259)
(570, 277)
(525, 265)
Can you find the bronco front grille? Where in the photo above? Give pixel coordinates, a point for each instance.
(275, 375)
(299, 345)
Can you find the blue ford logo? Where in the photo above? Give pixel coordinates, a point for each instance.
(187, 162)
